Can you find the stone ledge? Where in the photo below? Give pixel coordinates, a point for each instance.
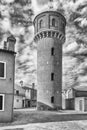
(50, 34)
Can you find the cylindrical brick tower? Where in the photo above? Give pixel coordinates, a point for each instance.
(49, 35)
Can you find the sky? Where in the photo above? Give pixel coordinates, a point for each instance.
(16, 18)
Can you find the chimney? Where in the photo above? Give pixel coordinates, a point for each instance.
(11, 43)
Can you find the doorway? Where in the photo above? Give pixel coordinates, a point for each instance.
(23, 103)
(80, 105)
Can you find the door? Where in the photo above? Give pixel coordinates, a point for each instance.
(28, 103)
(23, 105)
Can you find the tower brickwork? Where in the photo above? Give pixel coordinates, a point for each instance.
(49, 35)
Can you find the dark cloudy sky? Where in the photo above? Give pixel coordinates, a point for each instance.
(16, 18)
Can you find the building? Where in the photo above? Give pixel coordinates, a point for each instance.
(24, 97)
(19, 97)
(7, 71)
(30, 96)
(77, 99)
(49, 35)
(80, 98)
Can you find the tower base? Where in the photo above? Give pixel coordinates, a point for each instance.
(45, 107)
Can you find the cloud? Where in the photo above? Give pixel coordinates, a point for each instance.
(11, 23)
(42, 2)
(43, 5)
(82, 79)
(4, 10)
(6, 25)
(71, 48)
(13, 20)
(82, 21)
(18, 30)
(35, 6)
(8, 1)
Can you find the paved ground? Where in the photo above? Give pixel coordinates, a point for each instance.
(68, 125)
(46, 120)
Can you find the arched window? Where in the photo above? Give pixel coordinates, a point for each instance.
(41, 23)
(53, 22)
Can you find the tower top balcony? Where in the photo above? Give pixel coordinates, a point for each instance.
(50, 21)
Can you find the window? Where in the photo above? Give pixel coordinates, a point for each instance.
(1, 102)
(17, 100)
(53, 22)
(52, 51)
(52, 76)
(5, 45)
(17, 92)
(52, 99)
(33, 85)
(2, 70)
(41, 23)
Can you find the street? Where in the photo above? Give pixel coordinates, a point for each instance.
(31, 119)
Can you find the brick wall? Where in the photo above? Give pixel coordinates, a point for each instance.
(47, 63)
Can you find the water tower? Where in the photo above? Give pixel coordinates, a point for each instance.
(49, 35)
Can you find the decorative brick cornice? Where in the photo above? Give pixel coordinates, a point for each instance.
(50, 34)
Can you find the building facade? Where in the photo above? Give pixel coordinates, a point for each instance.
(19, 97)
(7, 69)
(80, 104)
(76, 99)
(24, 97)
(30, 97)
(49, 35)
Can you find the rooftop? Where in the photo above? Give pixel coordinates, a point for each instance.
(80, 88)
(25, 87)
